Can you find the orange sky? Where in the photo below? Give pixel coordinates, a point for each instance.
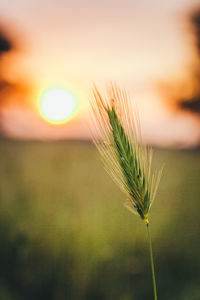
(73, 43)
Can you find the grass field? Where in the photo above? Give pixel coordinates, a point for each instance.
(64, 233)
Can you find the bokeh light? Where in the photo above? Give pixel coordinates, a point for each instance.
(57, 106)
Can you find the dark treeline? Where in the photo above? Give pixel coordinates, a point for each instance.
(192, 103)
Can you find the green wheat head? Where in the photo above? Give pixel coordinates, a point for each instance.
(125, 157)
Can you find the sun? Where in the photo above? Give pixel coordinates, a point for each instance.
(57, 106)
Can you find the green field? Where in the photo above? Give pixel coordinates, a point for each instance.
(65, 234)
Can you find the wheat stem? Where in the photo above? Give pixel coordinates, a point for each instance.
(125, 157)
(152, 263)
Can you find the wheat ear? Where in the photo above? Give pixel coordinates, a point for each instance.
(125, 157)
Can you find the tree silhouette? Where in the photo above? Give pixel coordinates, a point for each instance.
(192, 102)
(10, 91)
(184, 94)
(6, 46)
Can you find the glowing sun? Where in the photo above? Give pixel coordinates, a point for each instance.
(57, 106)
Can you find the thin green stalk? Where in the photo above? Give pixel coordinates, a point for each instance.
(126, 159)
(152, 263)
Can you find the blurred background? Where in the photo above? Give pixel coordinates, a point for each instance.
(64, 233)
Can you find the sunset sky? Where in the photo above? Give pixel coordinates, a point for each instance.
(70, 44)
